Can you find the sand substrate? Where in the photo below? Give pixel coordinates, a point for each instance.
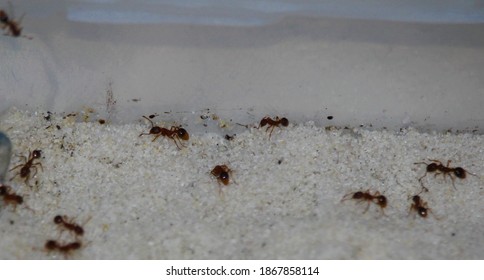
(138, 199)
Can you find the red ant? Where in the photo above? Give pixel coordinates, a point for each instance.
(66, 249)
(11, 198)
(221, 172)
(175, 132)
(14, 28)
(420, 206)
(68, 224)
(25, 170)
(376, 198)
(437, 167)
(273, 123)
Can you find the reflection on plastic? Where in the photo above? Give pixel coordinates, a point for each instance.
(260, 12)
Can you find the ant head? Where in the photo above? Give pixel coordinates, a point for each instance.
(382, 201)
(224, 177)
(183, 134)
(460, 172)
(58, 219)
(422, 211)
(3, 190)
(416, 199)
(36, 153)
(284, 122)
(432, 167)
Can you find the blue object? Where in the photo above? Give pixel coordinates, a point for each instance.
(5, 154)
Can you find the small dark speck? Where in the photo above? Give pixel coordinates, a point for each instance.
(279, 161)
(12, 222)
(58, 127)
(330, 117)
(152, 116)
(453, 234)
(101, 121)
(136, 99)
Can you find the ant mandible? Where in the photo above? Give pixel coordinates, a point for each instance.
(376, 198)
(14, 28)
(273, 123)
(174, 133)
(437, 167)
(29, 163)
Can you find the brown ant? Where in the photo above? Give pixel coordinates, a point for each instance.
(175, 132)
(273, 123)
(68, 224)
(66, 249)
(11, 198)
(437, 167)
(420, 206)
(376, 198)
(13, 26)
(222, 173)
(25, 170)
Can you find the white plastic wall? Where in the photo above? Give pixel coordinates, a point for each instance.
(384, 63)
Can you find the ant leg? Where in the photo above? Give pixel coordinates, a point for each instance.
(16, 167)
(272, 129)
(453, 181)
(367, 207)
(156, 137)
(173, 138)
(39, 164)
(14, 176)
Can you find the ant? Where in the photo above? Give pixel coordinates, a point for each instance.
(420, 206)
(25, 170)
(437, 167)
(9, 197)
(273, 123)
(66, 249)
(175, 132)
(376, 198)
(14, 28)
(68, 224)
(221, 172)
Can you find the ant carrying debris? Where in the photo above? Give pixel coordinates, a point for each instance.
(13, 26)
(437, 167)
(222, 173)
(273, 123)
(420, 206)
(29, 163)
(68, 224)
(175, 133)
(376, 198)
